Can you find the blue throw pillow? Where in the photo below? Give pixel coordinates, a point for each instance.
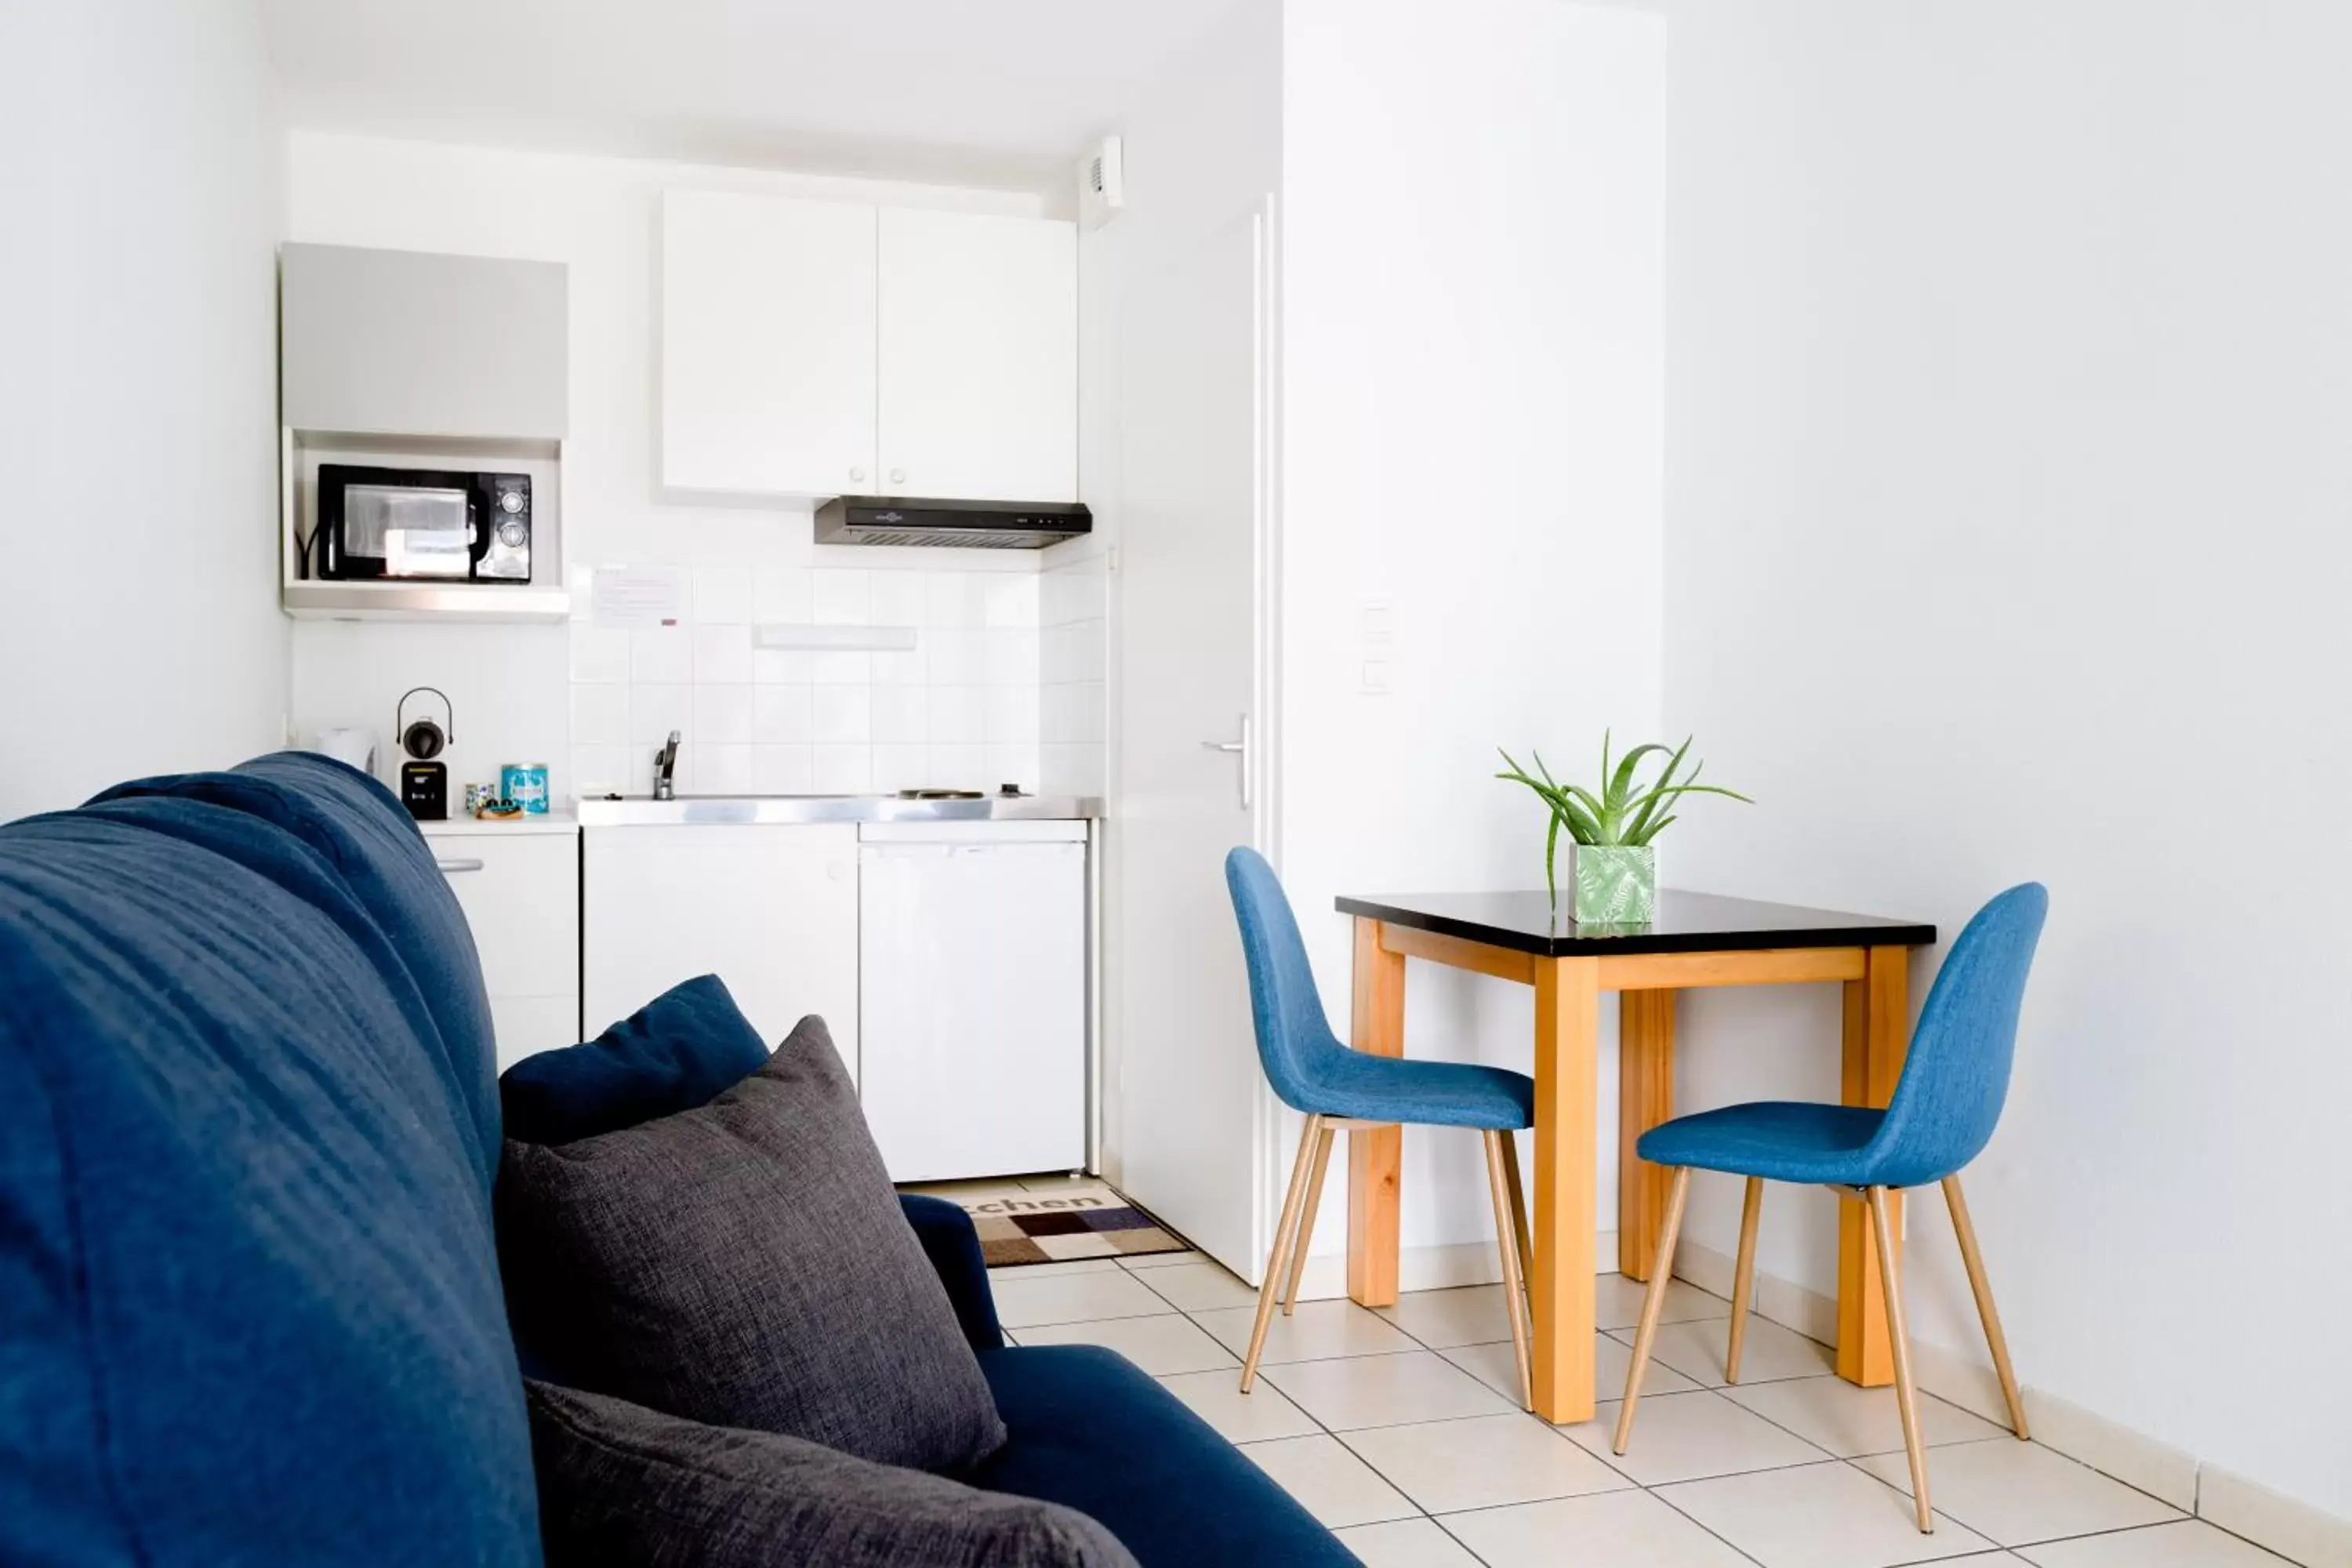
(681, 1050)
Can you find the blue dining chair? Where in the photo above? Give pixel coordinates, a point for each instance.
(1945, 1107)
(1344, 1091)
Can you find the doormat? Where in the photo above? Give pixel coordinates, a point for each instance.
(1082, 1220)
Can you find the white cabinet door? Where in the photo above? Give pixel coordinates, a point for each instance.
(974, 978)
(521, 900)
(979, 357)
(771, 910)
(767, 345)
(526, 1025)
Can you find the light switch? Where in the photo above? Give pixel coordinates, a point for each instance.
(1376, 677)
(1375, 622)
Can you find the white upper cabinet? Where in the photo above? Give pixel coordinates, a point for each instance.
(821, 348)
(768, 351)
(979, 357)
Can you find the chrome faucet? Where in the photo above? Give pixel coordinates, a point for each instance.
(665, 767)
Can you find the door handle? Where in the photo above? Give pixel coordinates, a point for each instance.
(454, 866)
(1241, 749)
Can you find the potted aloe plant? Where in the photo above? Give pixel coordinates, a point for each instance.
(1612, 860)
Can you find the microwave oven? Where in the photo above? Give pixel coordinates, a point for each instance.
(429, 525)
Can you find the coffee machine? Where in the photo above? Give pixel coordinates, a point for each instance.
(424, 778)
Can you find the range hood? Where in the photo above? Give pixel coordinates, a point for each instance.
(981, 524)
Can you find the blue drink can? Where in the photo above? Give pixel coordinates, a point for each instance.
(525, 784)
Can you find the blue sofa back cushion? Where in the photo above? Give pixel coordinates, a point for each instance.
(249, 1301)
(681, 1050)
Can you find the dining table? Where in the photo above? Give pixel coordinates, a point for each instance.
(1694, 939)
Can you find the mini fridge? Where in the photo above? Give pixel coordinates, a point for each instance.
(973, 996)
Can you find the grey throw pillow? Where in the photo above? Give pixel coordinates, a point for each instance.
(746, 1264)
(623, 1487)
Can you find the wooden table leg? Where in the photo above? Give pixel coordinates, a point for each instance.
(1877, 1031)
(1568, 1033)
(1375, 1160)
(1645, 1097)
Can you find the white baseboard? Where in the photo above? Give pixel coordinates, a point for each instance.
(2294, 1530)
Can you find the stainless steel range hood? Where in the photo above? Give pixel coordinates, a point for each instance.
(981, 524)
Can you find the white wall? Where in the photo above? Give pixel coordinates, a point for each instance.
(2007, 539)
(593, 703)
(1473, 356)
(139, 624)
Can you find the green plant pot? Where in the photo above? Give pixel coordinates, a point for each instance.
(1616, 884)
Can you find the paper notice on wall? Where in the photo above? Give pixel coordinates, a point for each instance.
(634, 596)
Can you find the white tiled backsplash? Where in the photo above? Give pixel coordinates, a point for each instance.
(965, 707)
(1071, 675)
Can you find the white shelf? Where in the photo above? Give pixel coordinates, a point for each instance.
(480, 603)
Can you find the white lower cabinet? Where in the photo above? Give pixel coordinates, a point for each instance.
(972, 959)
(520, 891)
(771, 909)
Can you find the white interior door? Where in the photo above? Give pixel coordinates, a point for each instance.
(1195, 457)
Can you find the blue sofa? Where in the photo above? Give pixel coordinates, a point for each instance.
(250, 1309)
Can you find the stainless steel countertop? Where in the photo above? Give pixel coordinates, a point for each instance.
(640, 810)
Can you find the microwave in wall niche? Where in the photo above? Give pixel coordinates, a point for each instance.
(421, 525)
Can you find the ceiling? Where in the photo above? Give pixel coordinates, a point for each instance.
(986, 92)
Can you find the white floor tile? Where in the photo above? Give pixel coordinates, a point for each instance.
(1697, 1351)
(1161, 1346)
(1078, 1297)
(1498, 1368)
(1406, 1543)
(1330, 1482)
(997, 1277)
(1217, 1398)
(1819, 1516)
(1687, 1436)
(1201, 1287)
(1617, 1302)
(1384, 1390)
(1850, 1421)
(2191, 1543)
(1474, 1314)
(2019, 1493)
(1160, 1260)
(1319, 1331)
(1486, 1461)
(1610, 1530)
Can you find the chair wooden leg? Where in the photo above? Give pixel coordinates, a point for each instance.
(1518, 1200)
(1515, 1300)
(1284, 1236)
(1743, 1279)
(1898, 1334)
(1997, 1341)
(1661, 1270)
(1306, 1219)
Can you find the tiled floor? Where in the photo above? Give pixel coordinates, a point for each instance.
(1398, 1429)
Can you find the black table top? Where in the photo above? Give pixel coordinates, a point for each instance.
(1687, 922)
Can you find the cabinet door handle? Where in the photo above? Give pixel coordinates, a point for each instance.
(897, 475)
(455, 866)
